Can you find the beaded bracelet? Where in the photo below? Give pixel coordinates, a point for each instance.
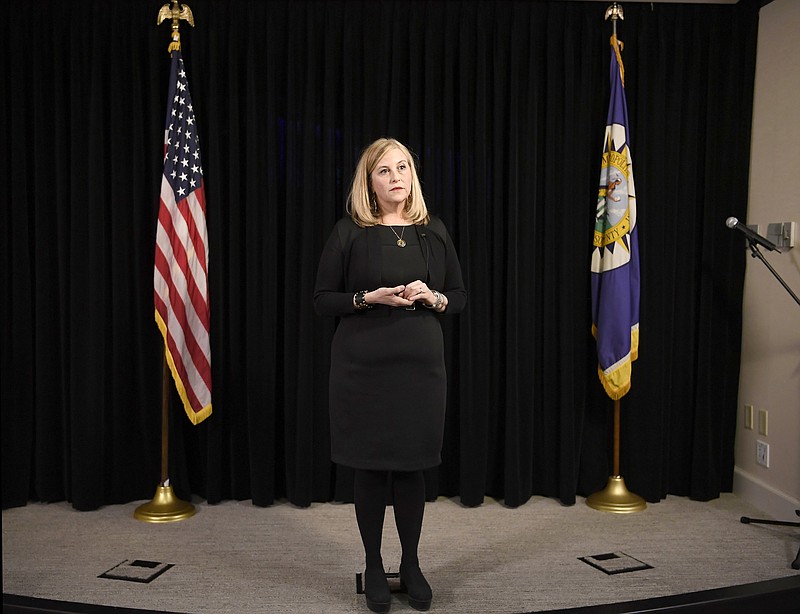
(438, 302)
(360, 301)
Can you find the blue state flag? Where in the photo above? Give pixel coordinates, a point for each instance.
(615, 254)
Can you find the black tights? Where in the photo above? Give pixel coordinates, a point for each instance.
(370, 489)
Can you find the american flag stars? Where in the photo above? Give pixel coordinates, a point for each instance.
(182, 163)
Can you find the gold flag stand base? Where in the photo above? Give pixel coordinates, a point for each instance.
(165, 507)
(615, 497)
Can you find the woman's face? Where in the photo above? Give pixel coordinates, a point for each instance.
(391, 179)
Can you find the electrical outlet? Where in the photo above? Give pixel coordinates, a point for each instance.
(748, 417)
(762, 453)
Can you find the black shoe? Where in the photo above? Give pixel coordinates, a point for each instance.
(414, 583)
(376, 591)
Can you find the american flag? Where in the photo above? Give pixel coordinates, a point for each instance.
(181, 261)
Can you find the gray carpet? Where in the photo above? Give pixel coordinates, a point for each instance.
(235, 557)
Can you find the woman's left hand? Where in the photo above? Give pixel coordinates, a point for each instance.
(418, 291)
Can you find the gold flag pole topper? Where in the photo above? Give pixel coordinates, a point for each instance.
(176, 13)
(616, 497)
(165, 506)
(613, 12)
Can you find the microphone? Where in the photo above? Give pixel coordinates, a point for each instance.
(752, 236)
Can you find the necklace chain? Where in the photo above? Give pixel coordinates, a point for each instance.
(400, 241)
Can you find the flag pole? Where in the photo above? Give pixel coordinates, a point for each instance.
(615, 497)
(616, 437)
(165, 387)
(165, 506)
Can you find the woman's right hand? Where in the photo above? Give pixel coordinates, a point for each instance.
(388, 296)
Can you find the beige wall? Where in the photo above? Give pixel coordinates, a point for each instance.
(770, 368)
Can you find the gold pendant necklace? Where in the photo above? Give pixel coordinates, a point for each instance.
(400, 242)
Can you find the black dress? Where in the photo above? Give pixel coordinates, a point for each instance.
(388, 384)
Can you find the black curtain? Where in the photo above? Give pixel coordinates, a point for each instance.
(504, 104)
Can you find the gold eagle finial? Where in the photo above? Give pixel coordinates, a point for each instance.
(614, 12)
(176, 13)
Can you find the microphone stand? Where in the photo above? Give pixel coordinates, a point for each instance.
(782, 523)
(756, 253)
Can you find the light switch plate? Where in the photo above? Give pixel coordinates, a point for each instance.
(782, 234)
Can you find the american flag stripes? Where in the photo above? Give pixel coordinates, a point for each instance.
(181, 257)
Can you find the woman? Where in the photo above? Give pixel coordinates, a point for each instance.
(389, 270)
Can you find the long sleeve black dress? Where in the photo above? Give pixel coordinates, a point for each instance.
(388, 383)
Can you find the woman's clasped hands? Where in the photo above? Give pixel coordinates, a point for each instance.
(402, 296)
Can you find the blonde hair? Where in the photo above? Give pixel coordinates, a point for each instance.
(361, 204)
